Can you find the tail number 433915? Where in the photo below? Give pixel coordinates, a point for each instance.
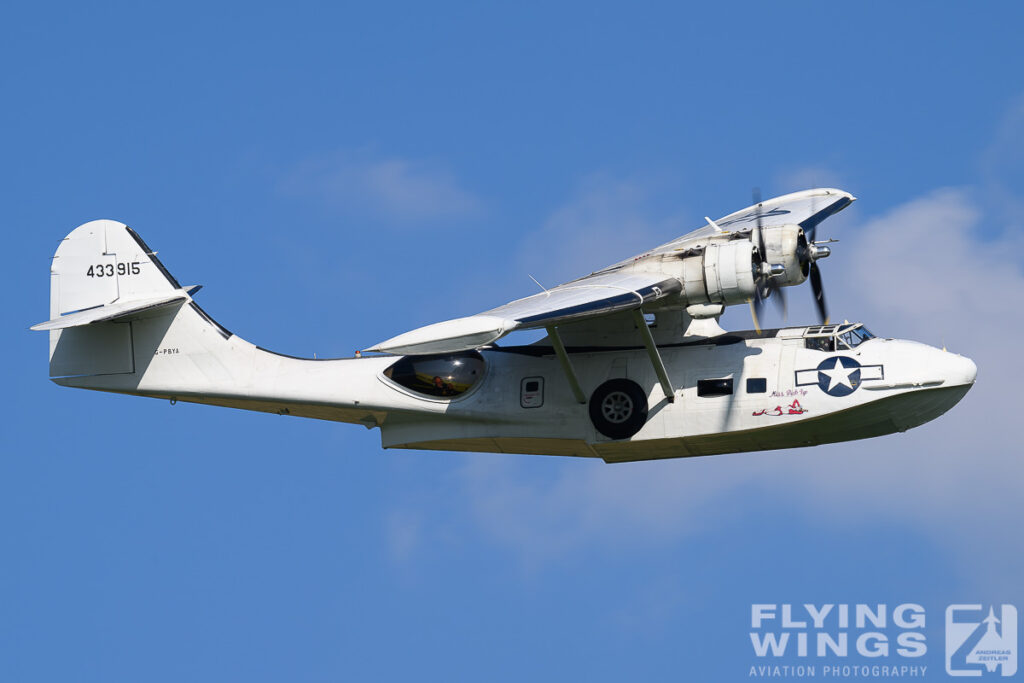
(110, 269)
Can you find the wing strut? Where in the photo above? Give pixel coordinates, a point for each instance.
(563, 358)
(652, 351)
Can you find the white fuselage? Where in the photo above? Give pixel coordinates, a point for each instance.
(783, 394)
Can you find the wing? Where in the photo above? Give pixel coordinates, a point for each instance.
(626, 285)
(806, 209)
(589, 297)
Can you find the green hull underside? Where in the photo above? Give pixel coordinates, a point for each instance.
(877, 418)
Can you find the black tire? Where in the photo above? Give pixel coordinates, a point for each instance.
(618, 408)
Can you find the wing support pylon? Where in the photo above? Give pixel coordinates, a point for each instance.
(655, 356)
(563, 358)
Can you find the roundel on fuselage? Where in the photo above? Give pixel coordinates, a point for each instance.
(839, 375)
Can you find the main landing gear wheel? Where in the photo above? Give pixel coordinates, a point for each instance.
(618, 408)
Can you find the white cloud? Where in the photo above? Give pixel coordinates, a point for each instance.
(394, 189)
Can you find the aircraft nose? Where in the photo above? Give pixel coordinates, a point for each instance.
(962, 370)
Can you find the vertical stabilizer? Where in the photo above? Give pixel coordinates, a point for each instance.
(102, 266)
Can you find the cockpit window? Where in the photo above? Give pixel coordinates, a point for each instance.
(827, 344)
(856, 336)
(447, 375)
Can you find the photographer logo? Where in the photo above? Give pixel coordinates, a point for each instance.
(981, 641)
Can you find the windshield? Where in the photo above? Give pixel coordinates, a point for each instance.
(857, 336)
(831, 338)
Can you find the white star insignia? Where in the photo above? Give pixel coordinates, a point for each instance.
(838, 375)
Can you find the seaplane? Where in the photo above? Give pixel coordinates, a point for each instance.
(633, 364)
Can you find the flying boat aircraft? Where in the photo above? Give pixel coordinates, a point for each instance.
(634, 365)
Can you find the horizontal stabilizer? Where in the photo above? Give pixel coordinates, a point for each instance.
(121, 310)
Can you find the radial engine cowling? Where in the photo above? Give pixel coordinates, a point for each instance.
(722, 274)
(784, 244)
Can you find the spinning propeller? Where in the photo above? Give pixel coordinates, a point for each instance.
(765, 283)
(808, 252)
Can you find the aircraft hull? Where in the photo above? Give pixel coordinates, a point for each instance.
(783, 394)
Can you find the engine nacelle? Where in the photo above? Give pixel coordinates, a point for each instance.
(784, 244)
(722, 274)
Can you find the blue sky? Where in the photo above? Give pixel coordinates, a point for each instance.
(335, 175)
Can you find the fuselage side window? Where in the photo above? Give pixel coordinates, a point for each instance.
(714, 387)
(757, 385)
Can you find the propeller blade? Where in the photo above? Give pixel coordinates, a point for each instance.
(819, 292)
(753, 314)
(780, 301)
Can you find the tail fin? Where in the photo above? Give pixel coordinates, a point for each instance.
(103, 277)
(103, 262)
